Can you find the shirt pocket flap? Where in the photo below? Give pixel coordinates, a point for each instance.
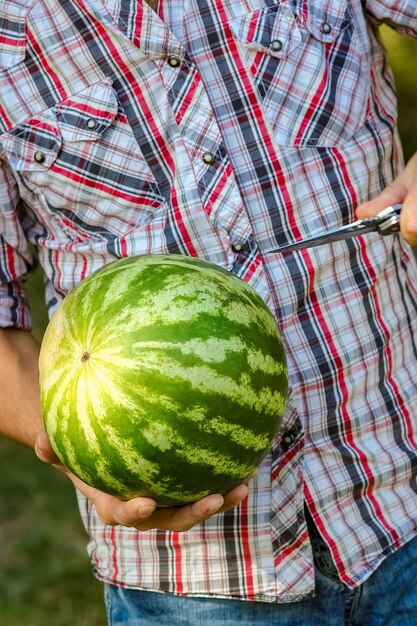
(86, 115)
(273, 30)
(13, 18)
(327, 19)
(33, 145)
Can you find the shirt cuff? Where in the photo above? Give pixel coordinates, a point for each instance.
(14, 307)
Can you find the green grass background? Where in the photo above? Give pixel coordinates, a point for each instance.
(45, 575)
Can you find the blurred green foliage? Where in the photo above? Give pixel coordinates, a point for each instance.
(402, 56)
(45, 575)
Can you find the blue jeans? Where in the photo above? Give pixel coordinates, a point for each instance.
(387, 598)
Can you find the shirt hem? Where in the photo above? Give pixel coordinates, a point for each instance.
(285, 598)
(358, 579)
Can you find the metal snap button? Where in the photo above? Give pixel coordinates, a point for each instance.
(326, 28)
(39, 156)
(276, 45)
(91, 124)
(287, 440)
(209, 158)
(173, 60)
(238, 246)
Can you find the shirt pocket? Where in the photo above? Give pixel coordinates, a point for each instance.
(310, 70)
(83, 166)
(13, 20)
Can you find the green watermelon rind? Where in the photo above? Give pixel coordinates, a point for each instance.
(162, 376)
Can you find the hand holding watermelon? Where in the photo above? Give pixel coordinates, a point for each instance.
(142, 513)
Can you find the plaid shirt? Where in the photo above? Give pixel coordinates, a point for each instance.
(219, 129)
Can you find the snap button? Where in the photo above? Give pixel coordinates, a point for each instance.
(209, 158)
(173, 60)
(91, 124)
(276, 45)
(39, 156)
(287, 439)
(238, 246)
(326, 29)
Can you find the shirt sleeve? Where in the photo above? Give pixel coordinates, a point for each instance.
(15, 256)
(399, 14)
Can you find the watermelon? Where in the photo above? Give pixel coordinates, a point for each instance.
(162, 376)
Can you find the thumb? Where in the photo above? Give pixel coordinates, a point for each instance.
(43, 449)
(393, 194)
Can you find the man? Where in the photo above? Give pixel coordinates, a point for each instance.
(223, 130)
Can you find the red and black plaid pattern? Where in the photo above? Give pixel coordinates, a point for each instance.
(217, 129)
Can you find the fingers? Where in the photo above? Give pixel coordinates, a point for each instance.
(142, 513)
(183, 518)
(408, 220)
(393, 194)
(112, 510)
(234, 498)
(402, 190)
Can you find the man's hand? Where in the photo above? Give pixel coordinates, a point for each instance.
(142, 513)
(402, 190)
